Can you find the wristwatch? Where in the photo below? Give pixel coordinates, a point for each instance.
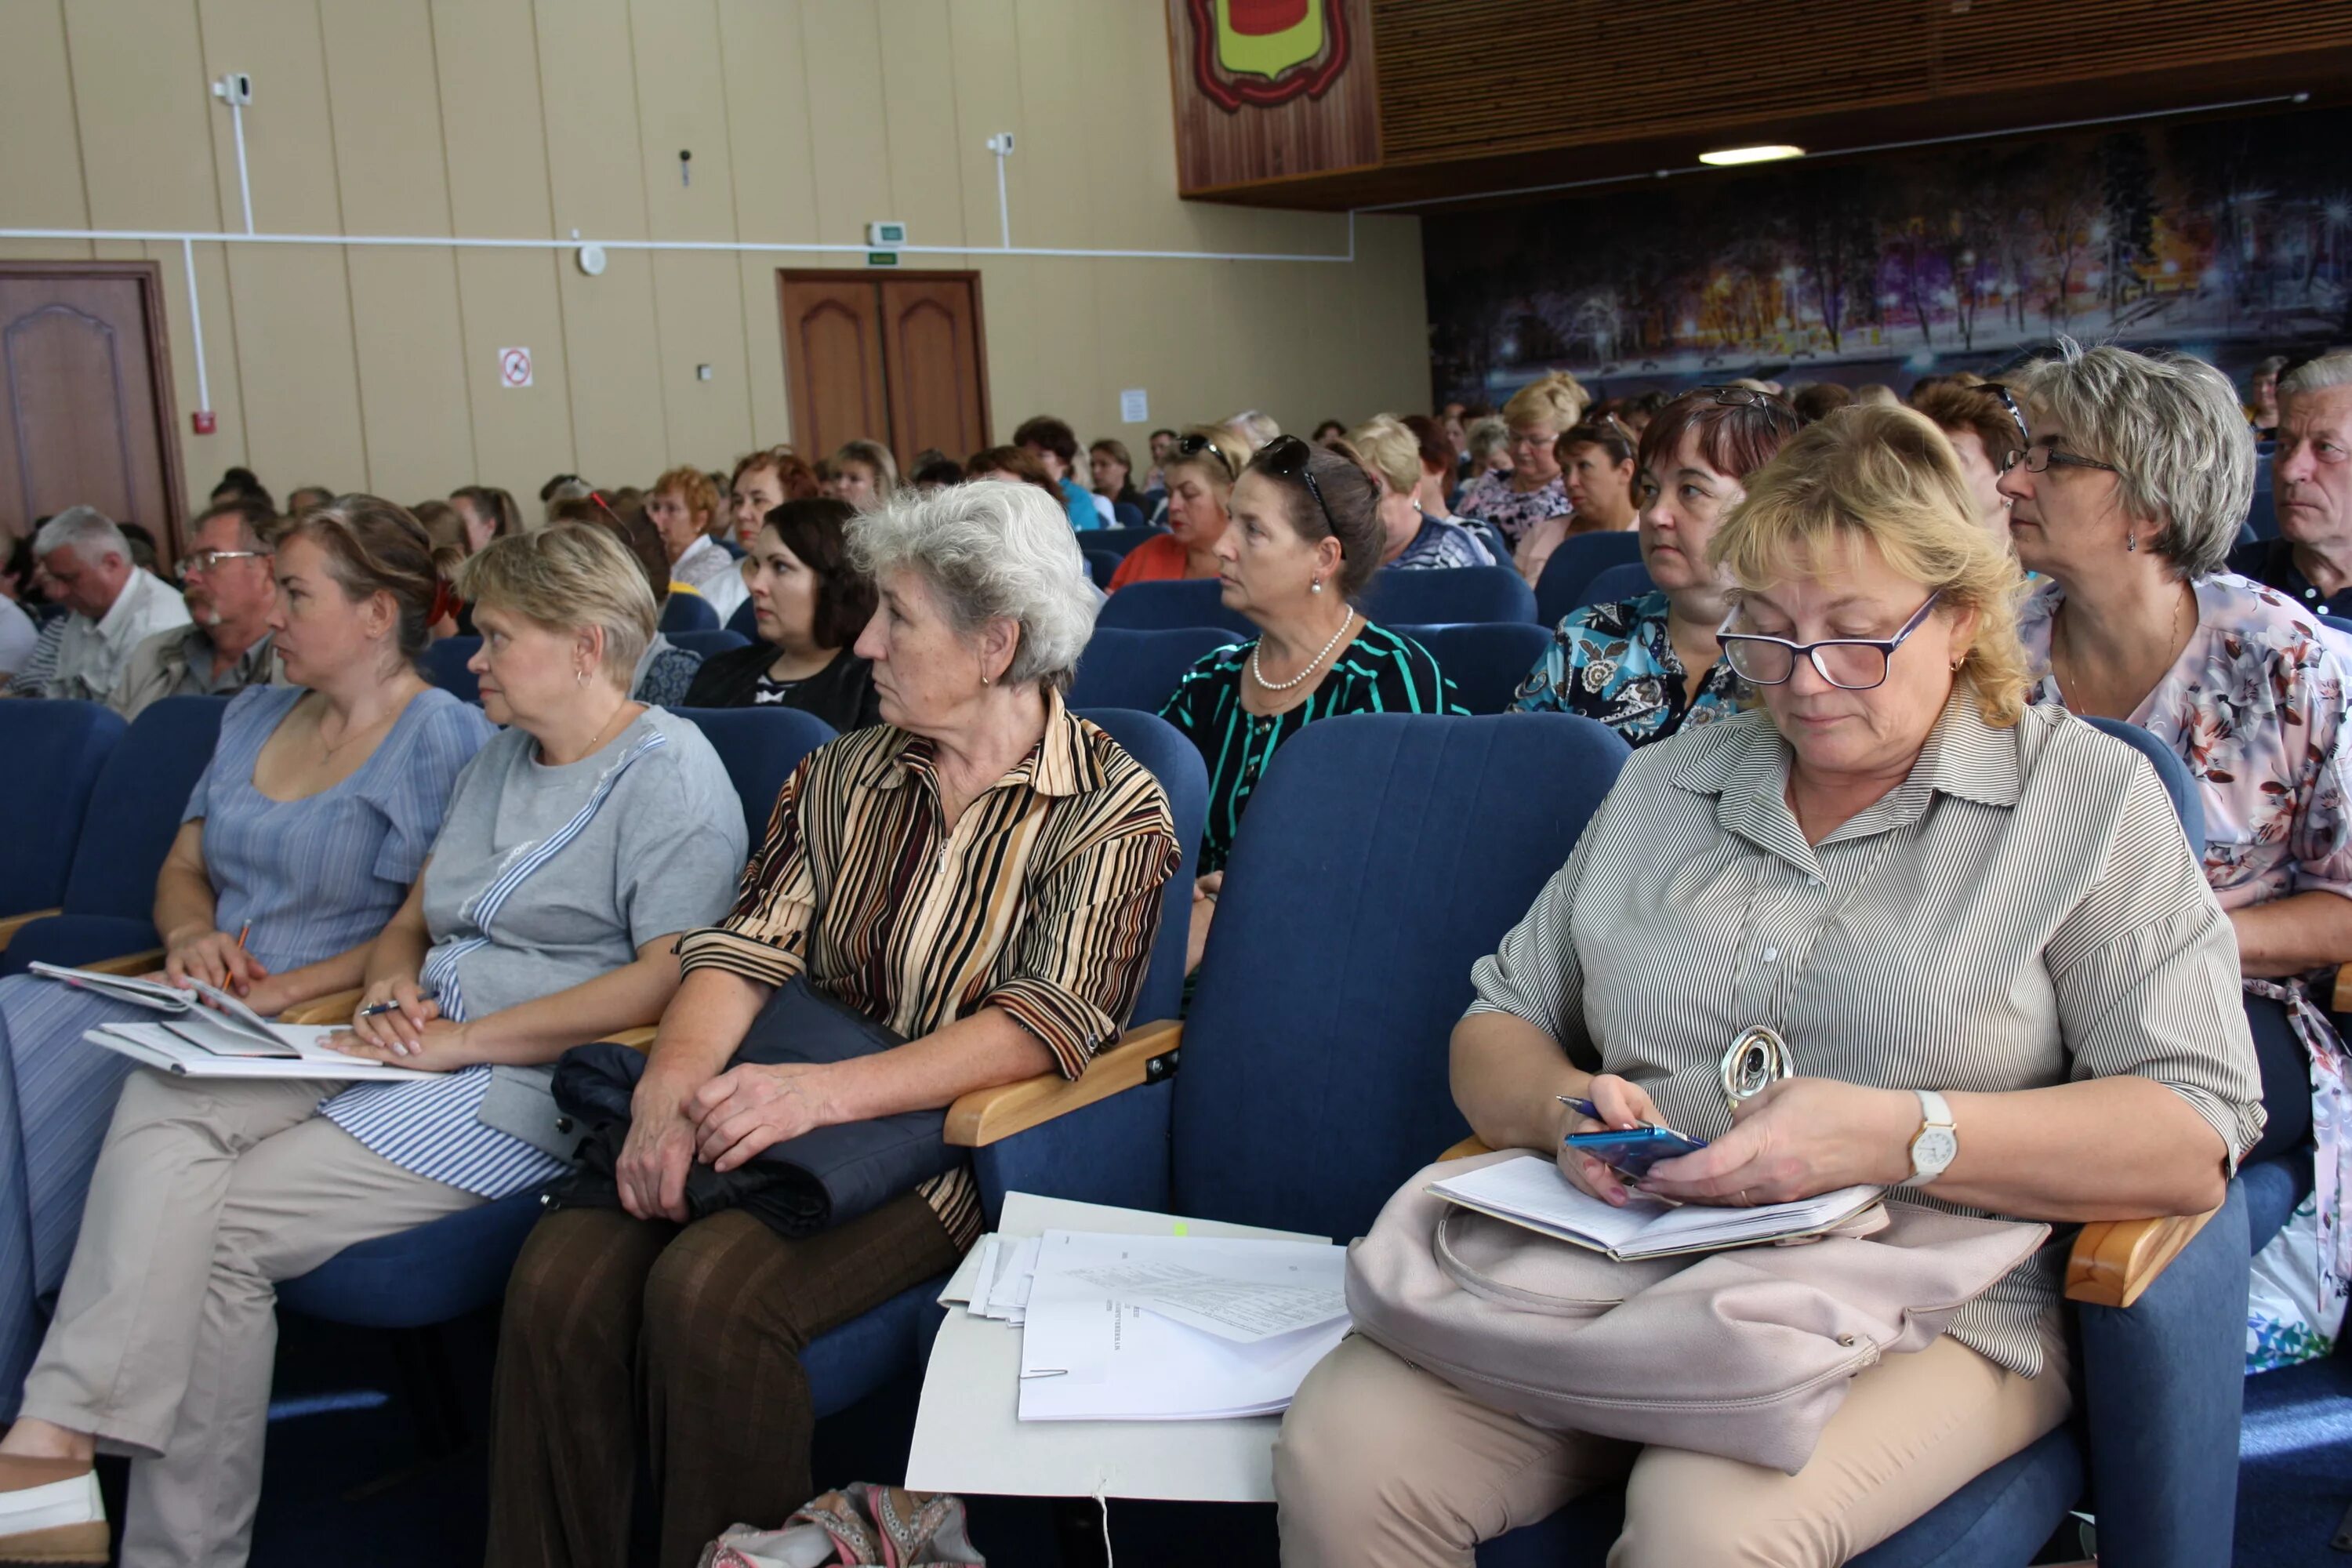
(1936, 1143)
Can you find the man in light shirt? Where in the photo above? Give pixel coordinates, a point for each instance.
(115, 606)
(231, 591)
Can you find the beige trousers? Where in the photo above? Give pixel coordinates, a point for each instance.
(207, 1192)
(1380, 1465)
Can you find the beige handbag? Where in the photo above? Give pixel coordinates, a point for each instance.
(1744, 1353)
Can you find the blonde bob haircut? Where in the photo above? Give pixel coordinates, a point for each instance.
(1390, 451)
(1886, 477)
(1558, 400)
(1220, 461)
(568, 578)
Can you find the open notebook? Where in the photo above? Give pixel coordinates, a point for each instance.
(1530, 1191)
(209, 1033)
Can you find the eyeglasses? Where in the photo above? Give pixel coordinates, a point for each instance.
(2038, 456)
(1193, 444)
(1286, 456)
(206, 559)
(1850, 664)
(2016, 415)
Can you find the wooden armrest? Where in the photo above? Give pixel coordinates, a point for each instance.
(336, 1007)
(2116, 1259)
(986, 1116)
(129, 963)
(12, 924)
(2339, 1002)
(1464, 1150)
(637, 1039)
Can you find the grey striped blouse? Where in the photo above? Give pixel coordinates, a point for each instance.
(2023, 911)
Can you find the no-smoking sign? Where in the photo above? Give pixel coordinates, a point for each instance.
(514, 367)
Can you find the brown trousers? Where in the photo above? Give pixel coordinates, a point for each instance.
(617, 1326)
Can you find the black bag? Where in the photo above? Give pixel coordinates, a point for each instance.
(797, 1187)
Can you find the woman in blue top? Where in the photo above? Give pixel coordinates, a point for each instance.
(303, 836)
(577, 845)
(1648, 666)
(1305, 538)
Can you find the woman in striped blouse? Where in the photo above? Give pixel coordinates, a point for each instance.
(1995, 983)
(578, 844)
(1305, 540)
(980, 873)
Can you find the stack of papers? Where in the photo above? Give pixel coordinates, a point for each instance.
(1160, 1328)
(1530, 1191)
(210, 1033)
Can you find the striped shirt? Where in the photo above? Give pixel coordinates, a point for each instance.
(2022, 911)
(1042, 901)
(1380, 672)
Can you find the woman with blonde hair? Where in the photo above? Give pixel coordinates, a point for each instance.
(579, 844)
(1413, 539)
(1200, 474)
(1536, 415)
(862, 473)
(1965, 948)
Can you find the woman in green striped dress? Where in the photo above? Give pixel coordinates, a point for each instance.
(1303, 541)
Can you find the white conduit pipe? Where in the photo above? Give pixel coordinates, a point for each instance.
(244, 180)
(197, 326)
(429, 242)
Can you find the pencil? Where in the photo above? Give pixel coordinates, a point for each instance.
(241, 935)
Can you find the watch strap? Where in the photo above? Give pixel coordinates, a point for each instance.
(1934, 1116)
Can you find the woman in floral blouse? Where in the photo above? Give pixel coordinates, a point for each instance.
(1533, 490)
(1647, 667)
(2128, 497)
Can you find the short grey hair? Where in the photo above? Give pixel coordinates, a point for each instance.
(2333, 368)
(991, 551)
(2173, 426)
(88, 531)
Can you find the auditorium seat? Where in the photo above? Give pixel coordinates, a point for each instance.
(1579, 556)
(689, 613)
(1122, 668)
(715, 640)
(108, 911)
(445, 666)
(1126, 515)
(760, 747)
(1448, 596)
(1165, 605)
(745, 621)
(56, 750)
(1614, 584)
(1118, 541)
(1102, 565)
(1486, 662)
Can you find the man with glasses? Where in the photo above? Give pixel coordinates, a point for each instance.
(115, 606)
(228, 582)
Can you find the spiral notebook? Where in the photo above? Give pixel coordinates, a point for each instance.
(1530, 1191)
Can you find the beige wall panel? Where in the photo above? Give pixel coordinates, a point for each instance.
(762, 60)
(987, 65)
(681, 104)
(144, 114)
(848, 139)
(590, 109)
(40, 149)
(921, 123)
(412, 390)
(508, 300)
(700, 307)
(764, 350)
(293, 310)
(487, 52)
(387, 142)
(1051, 203)
(288, 140)
(614, 370)
(203, 457)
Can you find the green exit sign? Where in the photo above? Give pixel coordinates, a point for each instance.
(881, 258)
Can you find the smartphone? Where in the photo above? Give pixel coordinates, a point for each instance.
(1631, 1151)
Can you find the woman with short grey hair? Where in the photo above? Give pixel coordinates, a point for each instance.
(2134, 476)
(979, 874)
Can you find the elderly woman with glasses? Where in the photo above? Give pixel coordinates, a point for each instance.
(1958, 948)
(1649, 666)
(1533, 488)
(2128, 496)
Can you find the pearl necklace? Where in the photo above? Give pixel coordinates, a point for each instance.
(1312, 664)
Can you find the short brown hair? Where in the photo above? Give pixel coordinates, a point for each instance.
(1736, 439)
(1820, 399)
(1044, 430)
(793, 475)
(694, 487)
(376, 546)
(492, 502)
(1954, 408)
(631, 529)
(1437, 452)
(816, 530)
(1348, 510)
(1016, 460)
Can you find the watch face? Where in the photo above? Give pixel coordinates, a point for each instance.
(1933, 1149)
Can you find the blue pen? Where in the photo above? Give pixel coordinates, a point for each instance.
(382, 1007)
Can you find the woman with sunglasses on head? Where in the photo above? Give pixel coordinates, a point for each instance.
(1199, 473)
(1533, 490)
(1305, 540)
(1649, 666)
(1892, 927)
(2128, 494)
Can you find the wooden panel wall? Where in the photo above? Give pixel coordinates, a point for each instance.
(1301, 100)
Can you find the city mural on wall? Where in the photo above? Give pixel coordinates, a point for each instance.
(2228, 240)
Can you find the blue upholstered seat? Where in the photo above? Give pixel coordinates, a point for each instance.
(445, 666)
(710, 641)
(1449, 595)
(745, 621)
(55, 751)
(1166, 606)
(1118, 541)
(1123, 667)
(1615, 585)
(1580, 556)
(1485, 662)
(689, 613)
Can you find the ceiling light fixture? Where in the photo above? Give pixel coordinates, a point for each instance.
(1724, 157)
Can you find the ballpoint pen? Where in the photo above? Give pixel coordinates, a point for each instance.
(382, 1007)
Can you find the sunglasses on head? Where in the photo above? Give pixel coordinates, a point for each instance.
(1193, 444)
(1287, 457)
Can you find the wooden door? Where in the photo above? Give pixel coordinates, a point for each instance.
(87, 385)
(901, 359)
(932, 354)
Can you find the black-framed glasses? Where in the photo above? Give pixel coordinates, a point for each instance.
(1286, 456)
(2016, 414)
(2039, 455)
(1850, 664)
(209, 560)
(1195, 443)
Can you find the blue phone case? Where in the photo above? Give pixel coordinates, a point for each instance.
(1632, 1150)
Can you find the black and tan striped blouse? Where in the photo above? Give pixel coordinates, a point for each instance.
(1042, 901)
(2022, 911)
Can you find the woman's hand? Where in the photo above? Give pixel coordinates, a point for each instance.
(1800, 1138)
(745, 1108)
(400, 1031)
(1623, 1105)
(658, 1150)
(1204, 910)
(439, 1046)
(213, 957)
